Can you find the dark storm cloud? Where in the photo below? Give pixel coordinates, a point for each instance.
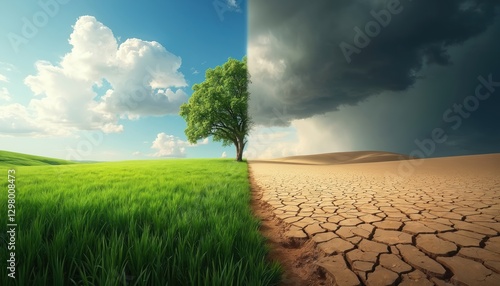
(316, 76)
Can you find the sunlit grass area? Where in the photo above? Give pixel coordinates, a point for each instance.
(168, 222)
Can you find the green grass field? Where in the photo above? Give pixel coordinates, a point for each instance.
(168, 222)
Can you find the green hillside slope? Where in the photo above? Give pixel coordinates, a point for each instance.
(8, 159)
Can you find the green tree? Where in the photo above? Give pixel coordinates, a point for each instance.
(218, 106)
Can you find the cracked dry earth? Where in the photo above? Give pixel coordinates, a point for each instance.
(347, 224)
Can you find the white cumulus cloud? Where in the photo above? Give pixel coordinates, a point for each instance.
(3, 78)
(224, 155)
(5, 94)
(172, 146)
(143, 80)
(16, 120)
(232, 3)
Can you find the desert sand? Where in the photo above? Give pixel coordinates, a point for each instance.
(377, 218)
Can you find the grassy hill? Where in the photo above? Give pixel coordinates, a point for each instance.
(8, 159)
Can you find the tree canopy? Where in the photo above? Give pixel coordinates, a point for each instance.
(218, 106)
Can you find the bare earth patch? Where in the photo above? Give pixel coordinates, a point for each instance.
(365, 218)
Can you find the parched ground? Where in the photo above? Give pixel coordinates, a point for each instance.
(364, 219)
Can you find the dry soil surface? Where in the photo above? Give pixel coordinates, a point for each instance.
(365, 218)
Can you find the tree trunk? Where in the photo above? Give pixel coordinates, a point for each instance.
(239, 150)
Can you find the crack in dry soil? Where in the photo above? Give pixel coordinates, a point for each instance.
(332, 225)
(296, 256)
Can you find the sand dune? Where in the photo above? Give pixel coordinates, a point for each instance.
(338, 158)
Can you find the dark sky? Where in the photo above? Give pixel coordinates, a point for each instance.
(379, 84)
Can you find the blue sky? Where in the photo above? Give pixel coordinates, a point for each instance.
(58, 58)
(103, 80)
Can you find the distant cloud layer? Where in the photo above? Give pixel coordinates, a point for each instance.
(299, 69)
(138, 78)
